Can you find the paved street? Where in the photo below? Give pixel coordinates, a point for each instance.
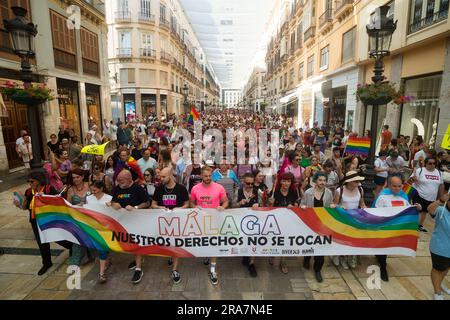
(409, 277)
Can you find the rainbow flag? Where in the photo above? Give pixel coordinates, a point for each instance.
(193, 116)
(409, 190)
(358, 146)
(360, 228)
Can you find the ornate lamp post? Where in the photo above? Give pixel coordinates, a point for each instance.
(22, 33)
(380, 32)
(185, 95)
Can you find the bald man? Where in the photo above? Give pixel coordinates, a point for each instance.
(170, 195)
(130, 196)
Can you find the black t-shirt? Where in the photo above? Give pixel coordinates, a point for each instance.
(132, 196)
(136, 154)
(253, 199)
(195, 177)
(262, 187)
(284, 201)
(171, 198)
(53, 147)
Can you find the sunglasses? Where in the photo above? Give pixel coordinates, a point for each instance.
(250, 184)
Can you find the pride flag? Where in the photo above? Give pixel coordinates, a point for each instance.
(409, 190)
(193, 116)
(358, 146)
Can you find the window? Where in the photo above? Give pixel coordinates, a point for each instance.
(291, 76)
(6, 14)
(90, 52)
(145, 8)
(324, 58)
(285, 79)
(348, 45)
(301, 71)
(299, 34)
(162, 12)
(146, 41)
(127, 76)
(425, 13)
(64, 46)
(122, 6)
(125, 39)
(310, 66)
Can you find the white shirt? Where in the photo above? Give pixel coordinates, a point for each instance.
(113, 132)
(382, 165)
(91, 199)
(390, 200)
(428, 183)
(144, 165)
(349, 202)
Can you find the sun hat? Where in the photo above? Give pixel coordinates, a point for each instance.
(352, 176)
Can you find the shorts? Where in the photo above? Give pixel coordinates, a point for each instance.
(379, 181)
(440, 263)
(424, 203)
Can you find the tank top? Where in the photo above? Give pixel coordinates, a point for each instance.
(76, 199)
(349, 202)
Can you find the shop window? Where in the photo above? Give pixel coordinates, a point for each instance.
(420, 115)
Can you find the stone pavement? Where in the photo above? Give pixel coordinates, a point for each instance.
(409, 277)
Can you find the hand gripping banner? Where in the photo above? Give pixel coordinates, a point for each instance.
(196, 232)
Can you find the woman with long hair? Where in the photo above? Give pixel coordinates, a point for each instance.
(98, 174)
(109, 168)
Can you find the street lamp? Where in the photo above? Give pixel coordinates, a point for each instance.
(22, 33)
(185, 95)
(380, 32)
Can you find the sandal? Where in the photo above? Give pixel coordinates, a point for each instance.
(102, 278)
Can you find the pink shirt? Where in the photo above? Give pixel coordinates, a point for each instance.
(208, 197)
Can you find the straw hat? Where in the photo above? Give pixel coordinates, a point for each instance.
(352, 176)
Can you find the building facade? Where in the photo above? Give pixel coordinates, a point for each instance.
(153, 52)
(232, 98)
(254, 91)
(71, 58)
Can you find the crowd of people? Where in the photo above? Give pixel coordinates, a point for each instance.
(311, 170)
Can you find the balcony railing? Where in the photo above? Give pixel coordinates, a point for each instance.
(428, 21)
(309, 33)
(164, 23)
(166, 56)
(340, 4)
(146, 17)
(124, 52)
(123, 16)
(148, 53)
(325, 17)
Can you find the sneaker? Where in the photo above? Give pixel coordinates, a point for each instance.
(344, 263)
(170, 262)
(439, 297)
(252, 270)
(176, 276)
(213, 278)
(318, 276)
(206, 261)
(44, 269)
(384, 275)
(445, 289)
(335, 260)
(422, 229)
(137, 276)
(102, 278)
(132, 266)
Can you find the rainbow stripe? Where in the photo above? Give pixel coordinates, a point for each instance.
(358, 146)
(92, 229)
(409, 190)
(193, 116)
(359, 228)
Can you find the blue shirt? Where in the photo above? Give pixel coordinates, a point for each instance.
(440, 239)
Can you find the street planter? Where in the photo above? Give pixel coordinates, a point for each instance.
(381, 94)
(27, 100)
(27, 95)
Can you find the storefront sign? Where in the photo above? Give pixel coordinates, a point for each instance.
(236, 232)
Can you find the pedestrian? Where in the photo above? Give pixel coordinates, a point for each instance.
(212, 195)
(386, 137)
(228, 180)
(131, 197)
(318, 196)
(170, 195)
(39, 186)
(381, 171)
(26, 151)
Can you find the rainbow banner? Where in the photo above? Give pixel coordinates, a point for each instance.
(236, 232)
(193, 116)
(358, 146)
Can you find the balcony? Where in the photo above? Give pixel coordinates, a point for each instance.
(124, 53)
(428, 21)
(145, 17)
(299, 8)
(342, 9)
(148, 53)
(326, 21)
(166, 57)
(163, 23)
(309, 35)
(122, 16)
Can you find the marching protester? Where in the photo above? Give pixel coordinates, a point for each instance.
(170, 195)
(130, 196)
(317, 196)
(209, 194)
